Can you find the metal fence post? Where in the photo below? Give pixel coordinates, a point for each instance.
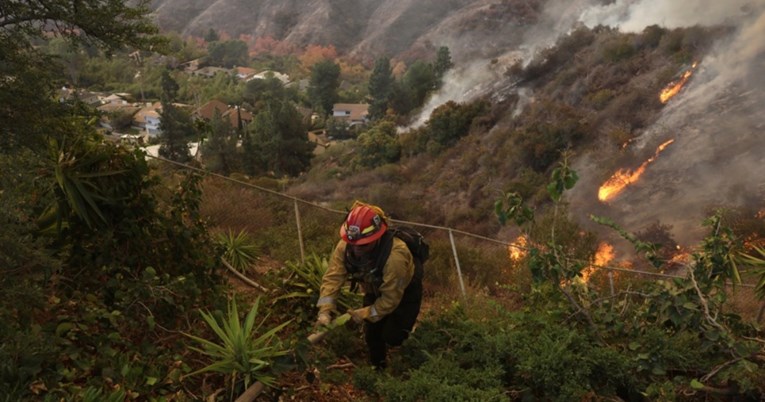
(611, 281)
(457, 262)
(300, 232)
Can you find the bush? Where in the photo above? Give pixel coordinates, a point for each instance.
(451, 121)
(378, 146)
(618, 49)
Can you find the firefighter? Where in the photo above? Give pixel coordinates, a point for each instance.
(368, 255)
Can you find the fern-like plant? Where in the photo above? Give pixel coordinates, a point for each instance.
(240, 350)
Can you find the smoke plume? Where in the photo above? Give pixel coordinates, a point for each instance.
(718, 158)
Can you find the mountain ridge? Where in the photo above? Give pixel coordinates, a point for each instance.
(364, 28)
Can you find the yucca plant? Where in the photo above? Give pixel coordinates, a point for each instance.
(305, 280)
(240, 352)
(757, 260)
(240, 250)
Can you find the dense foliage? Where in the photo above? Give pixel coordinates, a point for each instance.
(108, 273)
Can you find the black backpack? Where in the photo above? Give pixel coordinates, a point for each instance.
(416, 244)
(414, 241)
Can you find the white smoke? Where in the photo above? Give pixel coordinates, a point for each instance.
(465, 83)
(635, 15)
(476, 78)
(717, 120)
(718, 158)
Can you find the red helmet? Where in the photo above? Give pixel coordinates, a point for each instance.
(363, 225)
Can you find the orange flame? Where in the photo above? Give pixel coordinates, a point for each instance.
(517, 249)
(603, 256)
(624, 177)
(674, 87)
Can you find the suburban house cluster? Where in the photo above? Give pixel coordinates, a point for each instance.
(146, 116)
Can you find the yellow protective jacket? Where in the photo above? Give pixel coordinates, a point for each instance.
(397, 273)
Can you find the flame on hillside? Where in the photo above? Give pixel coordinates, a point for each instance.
(603, 256)
(517, 249)
(624, 177)
(674, 87)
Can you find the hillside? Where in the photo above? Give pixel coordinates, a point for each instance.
(597, 93)
(125, 277)
(363, 28)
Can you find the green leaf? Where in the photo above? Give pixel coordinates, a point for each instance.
(63, 328)
(151, 380)
(695, 384)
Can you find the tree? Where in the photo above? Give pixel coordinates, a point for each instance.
(325, 81)
(176, 125)
(451, 121)
(28, 113)
(71, 56)
(379, 145)
(380, 88)
(443, 63)
(211, 36)
(228, 54)
(420, 79)
(315, 54)
(219, 151)
(257, 92)
(402, 99)
(277, 142)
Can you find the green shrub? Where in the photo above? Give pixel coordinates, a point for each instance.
(618, 49)
(243, 348)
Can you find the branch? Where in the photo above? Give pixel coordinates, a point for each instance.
(242, 277)
(704, 303)
(341, 365)
(717, 369)
(581, 310)
(252, 392)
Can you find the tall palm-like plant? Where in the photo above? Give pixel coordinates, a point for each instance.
(240, 352)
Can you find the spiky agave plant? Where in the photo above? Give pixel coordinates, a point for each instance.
(304, 282)
(240, 250)
(241, 351)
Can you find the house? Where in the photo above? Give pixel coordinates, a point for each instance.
(147, 119)
(234, 114)
(351, 113)
(114, 115)
(115, 99)
(89, 98)
(207, 111)
(284, 78)
(210, 72)
(191, 65)
(243, 73)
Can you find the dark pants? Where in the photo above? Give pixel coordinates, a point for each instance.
(395, 327)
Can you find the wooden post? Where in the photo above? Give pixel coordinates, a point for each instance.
(300, 232)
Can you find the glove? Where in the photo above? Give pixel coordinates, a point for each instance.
(359, 315)
(323, 319)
